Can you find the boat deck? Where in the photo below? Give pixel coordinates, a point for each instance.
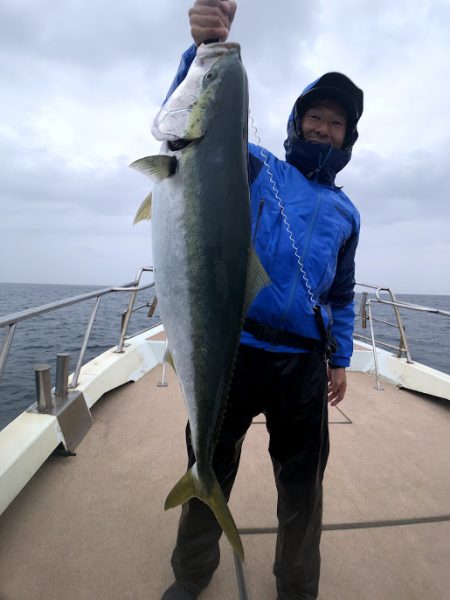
(93, 526)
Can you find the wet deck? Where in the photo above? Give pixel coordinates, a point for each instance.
(93, 526)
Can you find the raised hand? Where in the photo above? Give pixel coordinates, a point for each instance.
(211, 19)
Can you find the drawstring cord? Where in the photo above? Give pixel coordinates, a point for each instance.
(317, 170)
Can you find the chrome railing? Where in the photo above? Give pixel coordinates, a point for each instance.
(10, 321)
(366, 314)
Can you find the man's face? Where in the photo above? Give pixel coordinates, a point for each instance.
(325, 123)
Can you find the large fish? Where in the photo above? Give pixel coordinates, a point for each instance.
(206, 271)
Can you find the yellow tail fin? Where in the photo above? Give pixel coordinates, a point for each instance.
(188, 488)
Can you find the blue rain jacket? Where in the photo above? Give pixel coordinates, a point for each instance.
(325, 230)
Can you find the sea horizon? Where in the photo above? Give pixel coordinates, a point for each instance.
(104, 285)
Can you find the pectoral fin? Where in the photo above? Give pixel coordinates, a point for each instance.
(257, 279)
(145, 210)
(156, 167)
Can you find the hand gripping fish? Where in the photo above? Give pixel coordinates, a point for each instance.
(206, 271)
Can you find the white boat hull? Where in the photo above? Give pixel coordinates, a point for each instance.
(412, 376)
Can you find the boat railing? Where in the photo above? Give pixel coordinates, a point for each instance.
(366, 314)
(10, 321)
(402, 349)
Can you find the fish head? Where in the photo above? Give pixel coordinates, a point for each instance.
(184, 116)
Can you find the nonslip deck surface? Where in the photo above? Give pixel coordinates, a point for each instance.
(93, 527)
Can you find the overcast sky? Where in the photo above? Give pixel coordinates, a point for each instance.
(80, 82)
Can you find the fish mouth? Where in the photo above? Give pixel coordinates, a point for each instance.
(179, 144)
(171, 125)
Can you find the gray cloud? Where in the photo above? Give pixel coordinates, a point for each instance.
(82, 81)
(95, 35)
(413, 187)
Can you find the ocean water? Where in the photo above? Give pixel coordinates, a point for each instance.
(428, 335)
(40, 339)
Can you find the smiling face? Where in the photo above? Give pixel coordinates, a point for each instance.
(325, 122)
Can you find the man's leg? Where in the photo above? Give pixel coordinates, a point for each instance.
(297, 421)
(196, 554)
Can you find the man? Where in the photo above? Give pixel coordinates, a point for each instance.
(305, 231)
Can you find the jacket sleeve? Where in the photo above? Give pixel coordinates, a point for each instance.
(186, 60)
(340, 299)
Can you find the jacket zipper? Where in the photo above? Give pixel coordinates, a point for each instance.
(258, 218)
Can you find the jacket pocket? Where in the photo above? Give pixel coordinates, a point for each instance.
(327, 278)
(258, 219)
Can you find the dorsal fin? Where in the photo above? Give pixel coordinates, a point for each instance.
(145, 210)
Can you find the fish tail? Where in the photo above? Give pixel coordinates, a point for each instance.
(188, 487)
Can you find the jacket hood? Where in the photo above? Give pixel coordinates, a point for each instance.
(323, 161)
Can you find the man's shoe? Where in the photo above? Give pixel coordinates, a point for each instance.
(178, 592)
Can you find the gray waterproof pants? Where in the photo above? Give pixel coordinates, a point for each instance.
(291, 390)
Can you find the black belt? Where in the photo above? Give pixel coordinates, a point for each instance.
(279, 337)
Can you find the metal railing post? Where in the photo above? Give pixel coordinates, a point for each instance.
(396, 305)
(5, 348)
(43, 388)
(87, 335)
(403, 342)
(363, 310)
(163, 382)
(126, 320)
(374, 348)
(62, 375)
(127, 315)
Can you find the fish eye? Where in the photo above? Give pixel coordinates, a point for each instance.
(210, 75)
